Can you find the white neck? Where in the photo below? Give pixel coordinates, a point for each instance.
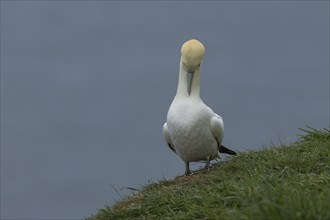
(183, 83)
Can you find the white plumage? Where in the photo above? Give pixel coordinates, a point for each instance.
(192, 130)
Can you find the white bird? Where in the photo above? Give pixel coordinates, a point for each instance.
(192, 130)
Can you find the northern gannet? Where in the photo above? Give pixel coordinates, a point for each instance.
(192, 130)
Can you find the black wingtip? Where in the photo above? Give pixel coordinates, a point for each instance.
(172, 148)
(223, 149)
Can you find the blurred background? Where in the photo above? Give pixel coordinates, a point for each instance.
(86, 86)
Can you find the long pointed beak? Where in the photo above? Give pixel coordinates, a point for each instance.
(190, 76)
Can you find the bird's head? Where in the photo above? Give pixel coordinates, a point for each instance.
(192, 53)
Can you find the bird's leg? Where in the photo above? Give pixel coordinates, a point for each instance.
(207, 165)
(187, 169)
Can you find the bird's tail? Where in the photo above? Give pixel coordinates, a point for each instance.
(223, 149)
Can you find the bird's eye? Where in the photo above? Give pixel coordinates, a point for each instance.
(198, 65)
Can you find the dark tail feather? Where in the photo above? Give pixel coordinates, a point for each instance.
(223, 149)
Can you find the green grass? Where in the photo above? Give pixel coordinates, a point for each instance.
(285, 182)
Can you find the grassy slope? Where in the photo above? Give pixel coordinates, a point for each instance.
(287, 182)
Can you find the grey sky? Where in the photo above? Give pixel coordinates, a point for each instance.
(85, 89)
